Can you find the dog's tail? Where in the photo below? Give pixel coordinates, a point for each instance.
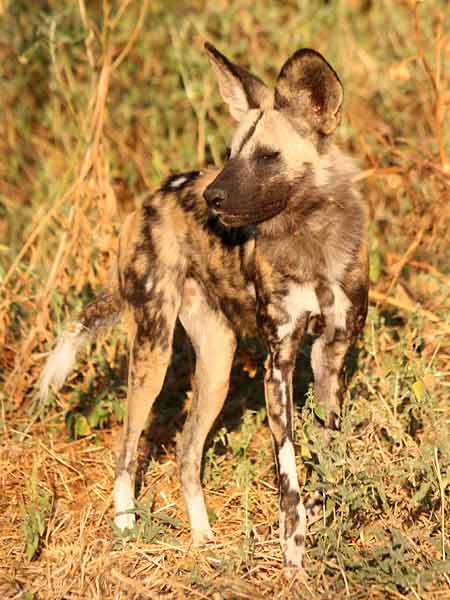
(100, 314)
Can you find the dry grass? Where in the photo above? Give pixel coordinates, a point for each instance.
(100, 100)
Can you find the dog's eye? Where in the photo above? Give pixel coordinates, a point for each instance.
(267, 154)
(228, 153)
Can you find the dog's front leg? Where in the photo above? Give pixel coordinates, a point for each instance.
(278, 390)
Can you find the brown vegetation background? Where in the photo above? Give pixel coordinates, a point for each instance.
(100, 100)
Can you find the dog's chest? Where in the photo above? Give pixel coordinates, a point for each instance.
(239, 286)
(226, 277)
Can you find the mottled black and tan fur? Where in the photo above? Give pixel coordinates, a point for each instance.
(273, 244)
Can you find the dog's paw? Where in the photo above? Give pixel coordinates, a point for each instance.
(124, 521)
(200, 537)
(293, 573)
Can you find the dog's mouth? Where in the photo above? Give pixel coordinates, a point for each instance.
(251, 217)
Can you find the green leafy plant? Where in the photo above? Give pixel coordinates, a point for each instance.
(35, 510)
(93, 409)
(150, 526)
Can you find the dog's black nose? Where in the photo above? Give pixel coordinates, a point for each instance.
(214, 197)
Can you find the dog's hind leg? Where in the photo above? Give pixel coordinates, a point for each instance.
(151, 272)
(149, 359)
(214, 343)
(150, 329)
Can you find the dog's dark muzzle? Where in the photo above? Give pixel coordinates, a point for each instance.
(235, 207)
(215, 198)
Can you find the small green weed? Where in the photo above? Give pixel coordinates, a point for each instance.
(150, 526)
(35, 512)
(94, 409)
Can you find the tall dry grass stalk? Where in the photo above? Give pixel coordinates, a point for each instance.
(90, 192)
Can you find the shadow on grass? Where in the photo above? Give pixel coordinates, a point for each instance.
(245, 393)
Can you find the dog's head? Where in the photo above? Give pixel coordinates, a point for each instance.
(280, 134)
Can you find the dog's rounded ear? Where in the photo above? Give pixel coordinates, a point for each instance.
(308, 87)
(240, 89)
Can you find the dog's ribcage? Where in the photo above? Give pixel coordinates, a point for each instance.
(171, 236)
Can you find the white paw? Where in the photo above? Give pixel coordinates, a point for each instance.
(202, 536)
(124, 502)
(124, 521)
(294, 573)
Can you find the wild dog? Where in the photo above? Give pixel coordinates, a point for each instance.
(273, 244)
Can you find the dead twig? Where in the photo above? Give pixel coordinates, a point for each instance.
(408, 254)
(421, 264)
(375, 296)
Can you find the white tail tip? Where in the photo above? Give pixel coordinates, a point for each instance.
(61, 359)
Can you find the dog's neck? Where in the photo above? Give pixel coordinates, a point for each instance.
(313, 198)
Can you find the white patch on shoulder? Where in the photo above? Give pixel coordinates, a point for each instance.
(123, 501)
(178, 181)
(340, 307)
(251, 290)
(149, 284)
(300, 299)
